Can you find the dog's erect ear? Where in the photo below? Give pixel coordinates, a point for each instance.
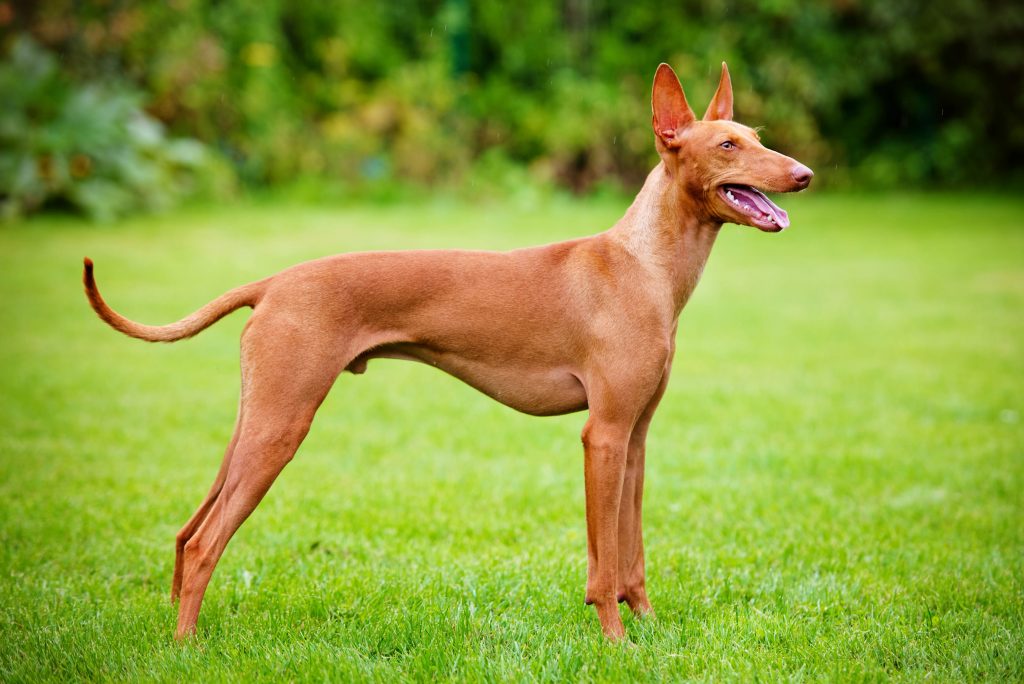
(721, 103)
(671, 112)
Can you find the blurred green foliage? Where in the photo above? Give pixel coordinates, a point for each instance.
(441, 91)
(88, 146)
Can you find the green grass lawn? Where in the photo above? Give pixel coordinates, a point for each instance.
(835, 477)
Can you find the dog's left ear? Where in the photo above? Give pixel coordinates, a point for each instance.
(721, 103)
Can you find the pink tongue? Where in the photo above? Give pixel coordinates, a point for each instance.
(766, 206)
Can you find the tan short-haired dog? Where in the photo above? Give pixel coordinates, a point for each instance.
(584, 324)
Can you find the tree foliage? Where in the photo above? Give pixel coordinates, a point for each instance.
(869, 91)
(87, 145)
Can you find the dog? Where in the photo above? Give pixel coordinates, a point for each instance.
(587, 324)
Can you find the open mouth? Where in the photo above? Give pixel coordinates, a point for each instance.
(753, 203)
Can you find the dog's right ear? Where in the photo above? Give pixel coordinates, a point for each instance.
(671, 111)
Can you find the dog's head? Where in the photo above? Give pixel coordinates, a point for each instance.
(722, 164)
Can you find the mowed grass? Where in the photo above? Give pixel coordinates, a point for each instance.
(834, 486)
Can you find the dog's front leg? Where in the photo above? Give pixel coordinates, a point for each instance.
(605, 442)
(631, 586)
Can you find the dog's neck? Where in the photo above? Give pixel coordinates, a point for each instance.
(664, 229)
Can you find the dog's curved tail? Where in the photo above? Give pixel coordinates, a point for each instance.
(246, 295)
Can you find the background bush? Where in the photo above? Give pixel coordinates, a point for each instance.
(877, 93)
(88, 145)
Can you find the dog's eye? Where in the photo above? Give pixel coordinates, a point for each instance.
(727, 145)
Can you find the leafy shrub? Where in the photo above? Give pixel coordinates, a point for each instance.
(364, 93)
(89, 147)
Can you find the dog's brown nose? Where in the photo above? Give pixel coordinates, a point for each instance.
(802, 175)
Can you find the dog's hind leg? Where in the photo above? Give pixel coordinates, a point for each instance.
(190, 527)
(284, 382)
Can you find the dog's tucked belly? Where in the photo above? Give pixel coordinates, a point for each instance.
(538, 391)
